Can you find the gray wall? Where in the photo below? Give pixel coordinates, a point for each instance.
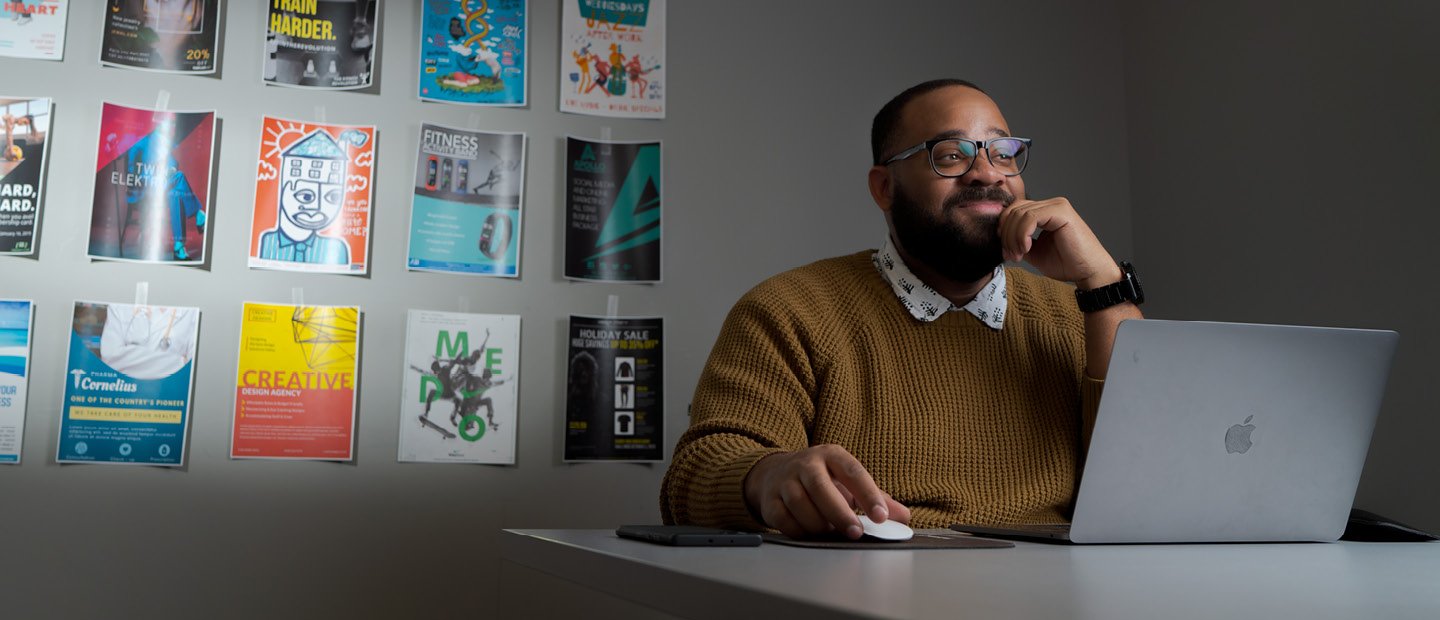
(766, 147)
(1282, 159)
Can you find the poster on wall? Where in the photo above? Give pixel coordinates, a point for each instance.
(170, 36)
(152, 185)
(465, 213)
(26, 123)
(322, 44)
(614, 389)
(612, 58)
(612, 210)
(16, 318)
(473, 51)
(33, 29)
(128, 384)
(312, 197)
(295, 387)
(461, 387)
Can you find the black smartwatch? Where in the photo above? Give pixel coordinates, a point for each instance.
(1127, 289)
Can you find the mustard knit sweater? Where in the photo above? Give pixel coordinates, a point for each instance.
(959, 422)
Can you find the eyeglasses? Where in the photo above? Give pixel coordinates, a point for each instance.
(953, 157)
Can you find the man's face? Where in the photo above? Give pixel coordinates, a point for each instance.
(950, 224)
(311, 205)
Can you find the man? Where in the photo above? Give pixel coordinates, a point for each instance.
(922, 382)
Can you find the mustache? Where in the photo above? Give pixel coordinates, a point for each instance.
(972, 193)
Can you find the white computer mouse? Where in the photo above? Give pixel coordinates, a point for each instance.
(889, 530)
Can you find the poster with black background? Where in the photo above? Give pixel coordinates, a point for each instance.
(173, 36)
(612, 210)
(614, 405)
(26, 125)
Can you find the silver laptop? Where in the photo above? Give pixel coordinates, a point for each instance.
(1226, 432)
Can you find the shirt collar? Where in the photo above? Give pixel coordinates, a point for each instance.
(925, 304)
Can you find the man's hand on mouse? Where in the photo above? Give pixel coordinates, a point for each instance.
(816, 491)
(1067, 251)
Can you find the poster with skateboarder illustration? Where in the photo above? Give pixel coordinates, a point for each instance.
(459, 403)
(612, 58)
(152, 185)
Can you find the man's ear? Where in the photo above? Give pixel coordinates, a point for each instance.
(882, 189)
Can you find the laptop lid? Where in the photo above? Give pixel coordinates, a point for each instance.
(1229, 432)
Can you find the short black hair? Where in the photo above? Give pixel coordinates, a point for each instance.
(882, 131)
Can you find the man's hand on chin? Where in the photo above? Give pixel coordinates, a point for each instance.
(1066, 249)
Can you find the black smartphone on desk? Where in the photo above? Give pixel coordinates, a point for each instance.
(688, 536)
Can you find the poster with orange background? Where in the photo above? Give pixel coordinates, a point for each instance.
(313, 187)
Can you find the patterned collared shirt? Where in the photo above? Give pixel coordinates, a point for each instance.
(989, 305)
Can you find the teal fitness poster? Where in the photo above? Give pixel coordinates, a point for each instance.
(465, 212)
(473, 51)
(128, 384)
(16, 317)
(612, 210)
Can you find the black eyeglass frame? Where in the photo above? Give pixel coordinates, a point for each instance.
(929, 147)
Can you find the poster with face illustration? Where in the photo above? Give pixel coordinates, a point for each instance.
(170, 36)
(312, 197)
(152, 185)
(612, 58)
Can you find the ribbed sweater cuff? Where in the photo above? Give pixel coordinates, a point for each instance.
(729, 505)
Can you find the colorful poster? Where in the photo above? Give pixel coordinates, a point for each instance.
(16, 317)
(612, 210)
(295, 388)
(128, 384)
(171, 36)
(465, 214)
(33, 28)
(324, 44)
(461, 376)
(312, 197)
(614, 397)
(473, 51)
(26, 123)
(152, 185)
(612, 58)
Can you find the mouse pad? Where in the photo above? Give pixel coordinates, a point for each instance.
(924, 539)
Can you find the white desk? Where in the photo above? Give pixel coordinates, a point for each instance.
(1311, 580)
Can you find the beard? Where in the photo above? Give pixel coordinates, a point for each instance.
(960, 252)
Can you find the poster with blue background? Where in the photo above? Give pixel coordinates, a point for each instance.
(473, 52)
(16, 317)
(128, 384)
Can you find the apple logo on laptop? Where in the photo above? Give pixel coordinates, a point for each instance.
(1237, 438)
